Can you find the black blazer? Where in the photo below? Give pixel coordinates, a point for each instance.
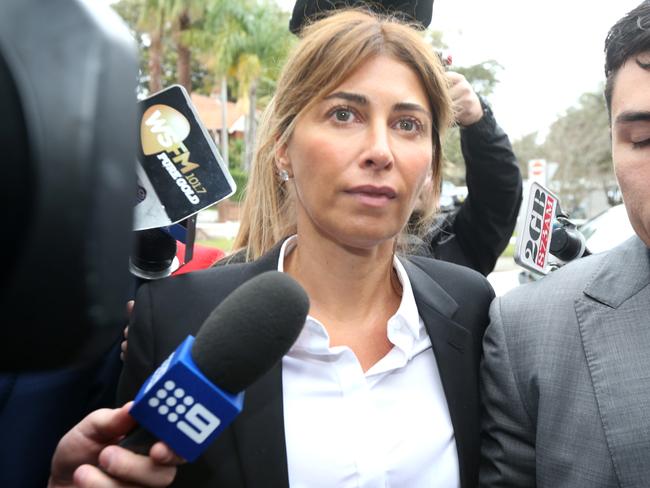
(453, 302)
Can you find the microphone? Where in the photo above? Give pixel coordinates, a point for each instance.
(567, 242)
(198, 390)
(154, 256)
(545, 229)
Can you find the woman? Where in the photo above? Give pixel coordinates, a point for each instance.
(380, 388)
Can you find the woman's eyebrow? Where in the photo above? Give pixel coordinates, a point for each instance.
(362, 100)
(406, 106)
(351, 97)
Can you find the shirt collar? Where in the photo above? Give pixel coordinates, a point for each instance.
(314, 336)
(287, 246)
(408, 309)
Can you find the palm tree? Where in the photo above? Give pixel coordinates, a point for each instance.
(185, 15)
(152, 21)
(244, 40)
(147, 18)
(221, 31)
(256, 51)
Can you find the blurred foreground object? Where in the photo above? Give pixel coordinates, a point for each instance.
(68, 131)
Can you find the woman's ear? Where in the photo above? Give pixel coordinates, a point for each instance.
(282, 161)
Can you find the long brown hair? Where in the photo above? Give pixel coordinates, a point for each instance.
(328, 52)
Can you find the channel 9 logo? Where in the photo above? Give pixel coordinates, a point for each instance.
(189, 416)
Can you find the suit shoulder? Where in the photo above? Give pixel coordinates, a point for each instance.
(189, 298)
(451, 274)
(561, 286)
(226, 275)
(468, 288)
(534, 313)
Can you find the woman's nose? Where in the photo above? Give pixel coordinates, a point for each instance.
(378, 153)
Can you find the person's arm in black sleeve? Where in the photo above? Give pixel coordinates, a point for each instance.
(139, 353)
(486, 219)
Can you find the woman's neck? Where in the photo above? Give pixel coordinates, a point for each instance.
(345, 284)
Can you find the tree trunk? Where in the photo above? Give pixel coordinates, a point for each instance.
(155, 63)
(251, 127)
(224, 120)
(183, 69)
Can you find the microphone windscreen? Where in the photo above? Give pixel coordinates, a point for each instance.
(250, 330)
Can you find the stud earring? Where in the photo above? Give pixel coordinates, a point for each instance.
(284, 175)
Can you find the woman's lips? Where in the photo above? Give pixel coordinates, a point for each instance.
(375, 196)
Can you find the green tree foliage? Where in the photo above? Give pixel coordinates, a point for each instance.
(251, 40)
(580, 142)
(236, 153)
(527, 148)
(222, 36)
(186, 17)
(158, 55)
(483, 77)
(204, 44)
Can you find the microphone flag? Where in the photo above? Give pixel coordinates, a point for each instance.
(179, 170)
(182, 406)
(535, 228)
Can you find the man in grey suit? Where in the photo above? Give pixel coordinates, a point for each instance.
(566, 368)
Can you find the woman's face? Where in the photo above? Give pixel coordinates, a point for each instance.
(359, 157)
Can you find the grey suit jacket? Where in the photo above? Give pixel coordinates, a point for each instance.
(566, 377)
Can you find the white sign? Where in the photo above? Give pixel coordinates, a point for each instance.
(537, 171)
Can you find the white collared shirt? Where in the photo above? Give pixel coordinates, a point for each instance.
(388, 427)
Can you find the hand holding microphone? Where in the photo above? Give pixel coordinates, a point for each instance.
(241, 339)
(87, 456)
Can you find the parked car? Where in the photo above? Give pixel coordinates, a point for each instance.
(607, 229)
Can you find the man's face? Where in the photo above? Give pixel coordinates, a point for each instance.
(631, 141)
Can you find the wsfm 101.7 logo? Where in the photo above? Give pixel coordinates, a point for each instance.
(162, 132)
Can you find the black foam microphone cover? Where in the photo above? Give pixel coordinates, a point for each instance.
(567, 244)
(250, 330)
(417, 11)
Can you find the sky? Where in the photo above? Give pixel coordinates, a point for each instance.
(551, 51)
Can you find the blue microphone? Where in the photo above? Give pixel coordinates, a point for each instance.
(198, 390)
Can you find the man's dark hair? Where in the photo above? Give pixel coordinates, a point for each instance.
(630, 36)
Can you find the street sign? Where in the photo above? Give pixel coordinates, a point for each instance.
(537, 171)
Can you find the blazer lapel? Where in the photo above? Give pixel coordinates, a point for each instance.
(259, 433)
(452, 346)
(259, 429)
(615, 330)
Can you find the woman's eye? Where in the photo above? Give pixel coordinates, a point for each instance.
(342, 115)
(409, 125)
